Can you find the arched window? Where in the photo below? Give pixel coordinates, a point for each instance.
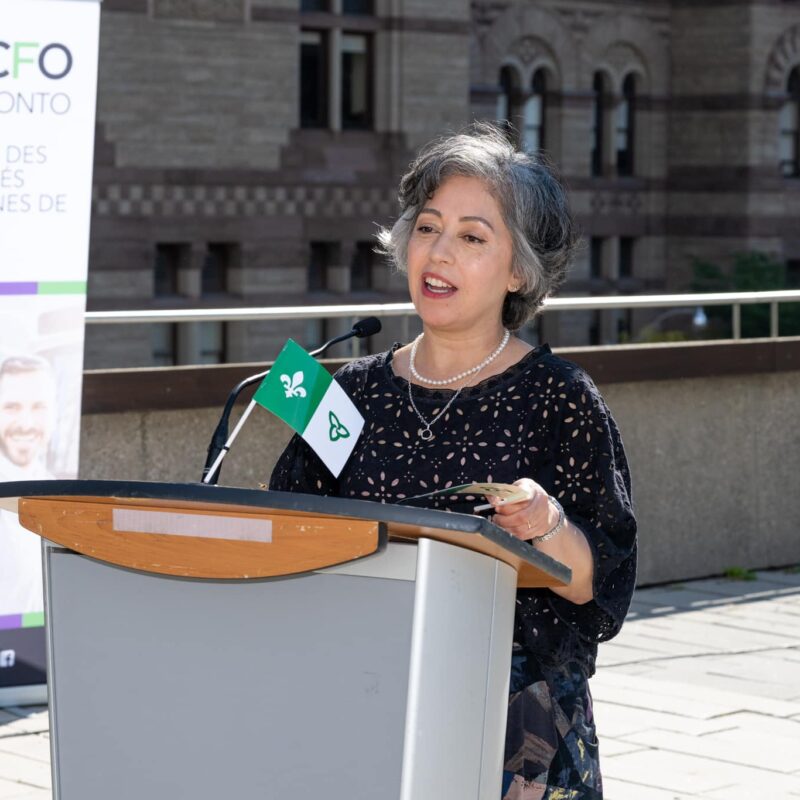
(599, 110)
(507, 100)
(535, 112)
(626, 133)
(789, 142)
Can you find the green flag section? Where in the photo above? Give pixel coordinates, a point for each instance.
(301, 392)
(294, 386)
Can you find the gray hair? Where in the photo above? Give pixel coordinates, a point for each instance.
(532, 201)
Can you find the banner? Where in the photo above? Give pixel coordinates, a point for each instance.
(48, 87)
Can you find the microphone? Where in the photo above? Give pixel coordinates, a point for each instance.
(362, 328)
(220, 443)
(367, 327)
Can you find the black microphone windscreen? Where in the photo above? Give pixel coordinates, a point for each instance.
(367, 327)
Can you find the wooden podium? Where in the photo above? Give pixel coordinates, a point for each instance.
(206, 642)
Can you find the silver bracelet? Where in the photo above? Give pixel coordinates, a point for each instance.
(556, 528)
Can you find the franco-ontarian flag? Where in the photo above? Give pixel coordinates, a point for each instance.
(300, 391)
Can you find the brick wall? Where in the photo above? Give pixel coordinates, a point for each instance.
(198, 139)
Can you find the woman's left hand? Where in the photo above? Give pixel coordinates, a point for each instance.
(529, 518)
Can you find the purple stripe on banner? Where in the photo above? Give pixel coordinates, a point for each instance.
(11, 622)
(18, 288)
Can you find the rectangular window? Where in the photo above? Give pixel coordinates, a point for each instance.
(356, 82)
(598, 123)
(359, 7)
(164, 344)
(509, 93)
(792, 275)
(315, 5)
(623, 139)
(361, 267)
(535, 115)
(533, 119)
(216, 265)
(626, 257)
(595, 326)
(788, 126)
(168, 261)
(596, 257)
(212, 343)
(502, 109)
(626, 120)
(313, 80)
(323, 256)
(625, 326)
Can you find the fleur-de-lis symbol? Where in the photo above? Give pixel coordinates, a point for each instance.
(292, 385)
(337, 431)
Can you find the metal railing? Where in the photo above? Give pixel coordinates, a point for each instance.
(609, 303)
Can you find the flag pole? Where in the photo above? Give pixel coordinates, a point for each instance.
(227, 446)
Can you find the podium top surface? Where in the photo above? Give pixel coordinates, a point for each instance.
(402, 522)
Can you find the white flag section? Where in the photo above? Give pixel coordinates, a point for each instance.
(334, 429)
(48, 87)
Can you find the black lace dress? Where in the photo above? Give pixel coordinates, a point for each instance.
(542, 418)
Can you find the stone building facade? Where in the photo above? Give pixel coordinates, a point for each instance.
(247, 150)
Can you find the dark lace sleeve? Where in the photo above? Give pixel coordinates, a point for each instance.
(590, 478)
(299, 468)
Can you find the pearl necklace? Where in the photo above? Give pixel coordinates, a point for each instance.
(425, 433)
(485, 363)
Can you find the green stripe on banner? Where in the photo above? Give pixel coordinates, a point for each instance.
(62, 287)
(34, 619)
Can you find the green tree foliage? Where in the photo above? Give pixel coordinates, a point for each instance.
(752, 272)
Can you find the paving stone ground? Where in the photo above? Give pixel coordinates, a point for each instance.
(698, 697)
(24, 754)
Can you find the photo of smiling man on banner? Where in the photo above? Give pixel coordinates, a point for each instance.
(39, 414)
(27, 416)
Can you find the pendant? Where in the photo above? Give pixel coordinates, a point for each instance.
(426, 434)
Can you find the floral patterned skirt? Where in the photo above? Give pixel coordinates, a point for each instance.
(551, 748)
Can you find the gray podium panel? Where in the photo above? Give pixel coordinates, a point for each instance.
(458, 683)
(384, 678)
(270, 689)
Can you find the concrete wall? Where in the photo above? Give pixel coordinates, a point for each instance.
(714, 463)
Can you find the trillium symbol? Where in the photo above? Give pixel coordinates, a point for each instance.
(337, 431)
(292, 385)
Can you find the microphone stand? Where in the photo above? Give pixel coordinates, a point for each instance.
(221, 442)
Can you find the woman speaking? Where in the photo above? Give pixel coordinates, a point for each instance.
(484, 235)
